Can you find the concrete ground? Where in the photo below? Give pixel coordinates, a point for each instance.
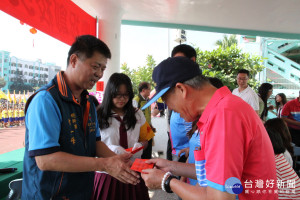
(160, 145)
(11, 138)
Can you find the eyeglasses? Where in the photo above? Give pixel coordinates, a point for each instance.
(119, 96)
(242, 79)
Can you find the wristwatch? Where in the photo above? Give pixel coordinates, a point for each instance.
(167, 183)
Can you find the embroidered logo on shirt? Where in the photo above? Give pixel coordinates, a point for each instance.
(73, 141)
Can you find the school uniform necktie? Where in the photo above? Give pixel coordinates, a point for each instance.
(123, 133)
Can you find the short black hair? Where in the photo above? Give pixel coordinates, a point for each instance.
(187, 50)
(143, 85)
(244, 71)
(85, 46)
(215, 82)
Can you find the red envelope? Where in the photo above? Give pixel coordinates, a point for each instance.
(139, 165)
(136, 150)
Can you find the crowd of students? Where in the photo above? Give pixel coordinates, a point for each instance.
(11, 116)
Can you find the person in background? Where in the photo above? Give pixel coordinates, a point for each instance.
(161, 106)
(264, 92)
(5, 117)
(287, 180)
(21, 114)
(291, 115)
(280, 101)
(63, 147)
(120, 126)
(178, 126)
(1, 120)
(139, 101)
(245, 91)
(279, 126)
(10, 116)
(17, 118)
(231, 135)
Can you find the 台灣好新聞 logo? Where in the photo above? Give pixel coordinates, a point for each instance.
(233, 186)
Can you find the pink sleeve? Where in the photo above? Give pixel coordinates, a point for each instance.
(224, 148)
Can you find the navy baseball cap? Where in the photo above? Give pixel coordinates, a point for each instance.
(171, 71)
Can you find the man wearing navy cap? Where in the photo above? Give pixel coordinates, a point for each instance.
(235, 149)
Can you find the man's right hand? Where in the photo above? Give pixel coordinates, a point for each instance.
(162, 164)
(119, 167)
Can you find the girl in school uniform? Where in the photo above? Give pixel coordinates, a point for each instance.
(120, 128)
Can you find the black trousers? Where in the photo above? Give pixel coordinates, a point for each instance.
(295, 136)
(169, 148)
(147, 153)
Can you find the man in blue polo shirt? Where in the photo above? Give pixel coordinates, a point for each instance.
(62, 142)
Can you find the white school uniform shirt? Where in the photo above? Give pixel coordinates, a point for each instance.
(111, 135)
(249, 96)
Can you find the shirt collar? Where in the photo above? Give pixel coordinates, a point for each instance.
(216, 98)
(245, 90)
(143, 97)
(64, 89)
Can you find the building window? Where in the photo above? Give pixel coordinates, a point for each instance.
(25, 73)
(30, 67)
(46, 69)
(19, 65)
(26, 66)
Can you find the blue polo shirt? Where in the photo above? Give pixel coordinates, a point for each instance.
(56, 122)
(178, 130)
(194, 144)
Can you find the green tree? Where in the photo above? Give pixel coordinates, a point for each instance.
(18, 83)
(2, 82)
(142, 73)
(225, 63)
(227, 41)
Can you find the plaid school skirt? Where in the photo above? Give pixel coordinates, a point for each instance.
(107, 187)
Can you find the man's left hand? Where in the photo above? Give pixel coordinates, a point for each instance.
(153, 178)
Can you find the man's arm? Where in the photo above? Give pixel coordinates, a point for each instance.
(180, 169)
(153, 179)
(186, 191)
(116, 166)
(290, 121)
(65, 162)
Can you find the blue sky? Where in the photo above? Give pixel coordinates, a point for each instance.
(136, 43)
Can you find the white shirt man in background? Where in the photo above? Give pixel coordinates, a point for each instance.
(246, 92)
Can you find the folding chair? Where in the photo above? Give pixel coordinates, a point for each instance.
(15, 187)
